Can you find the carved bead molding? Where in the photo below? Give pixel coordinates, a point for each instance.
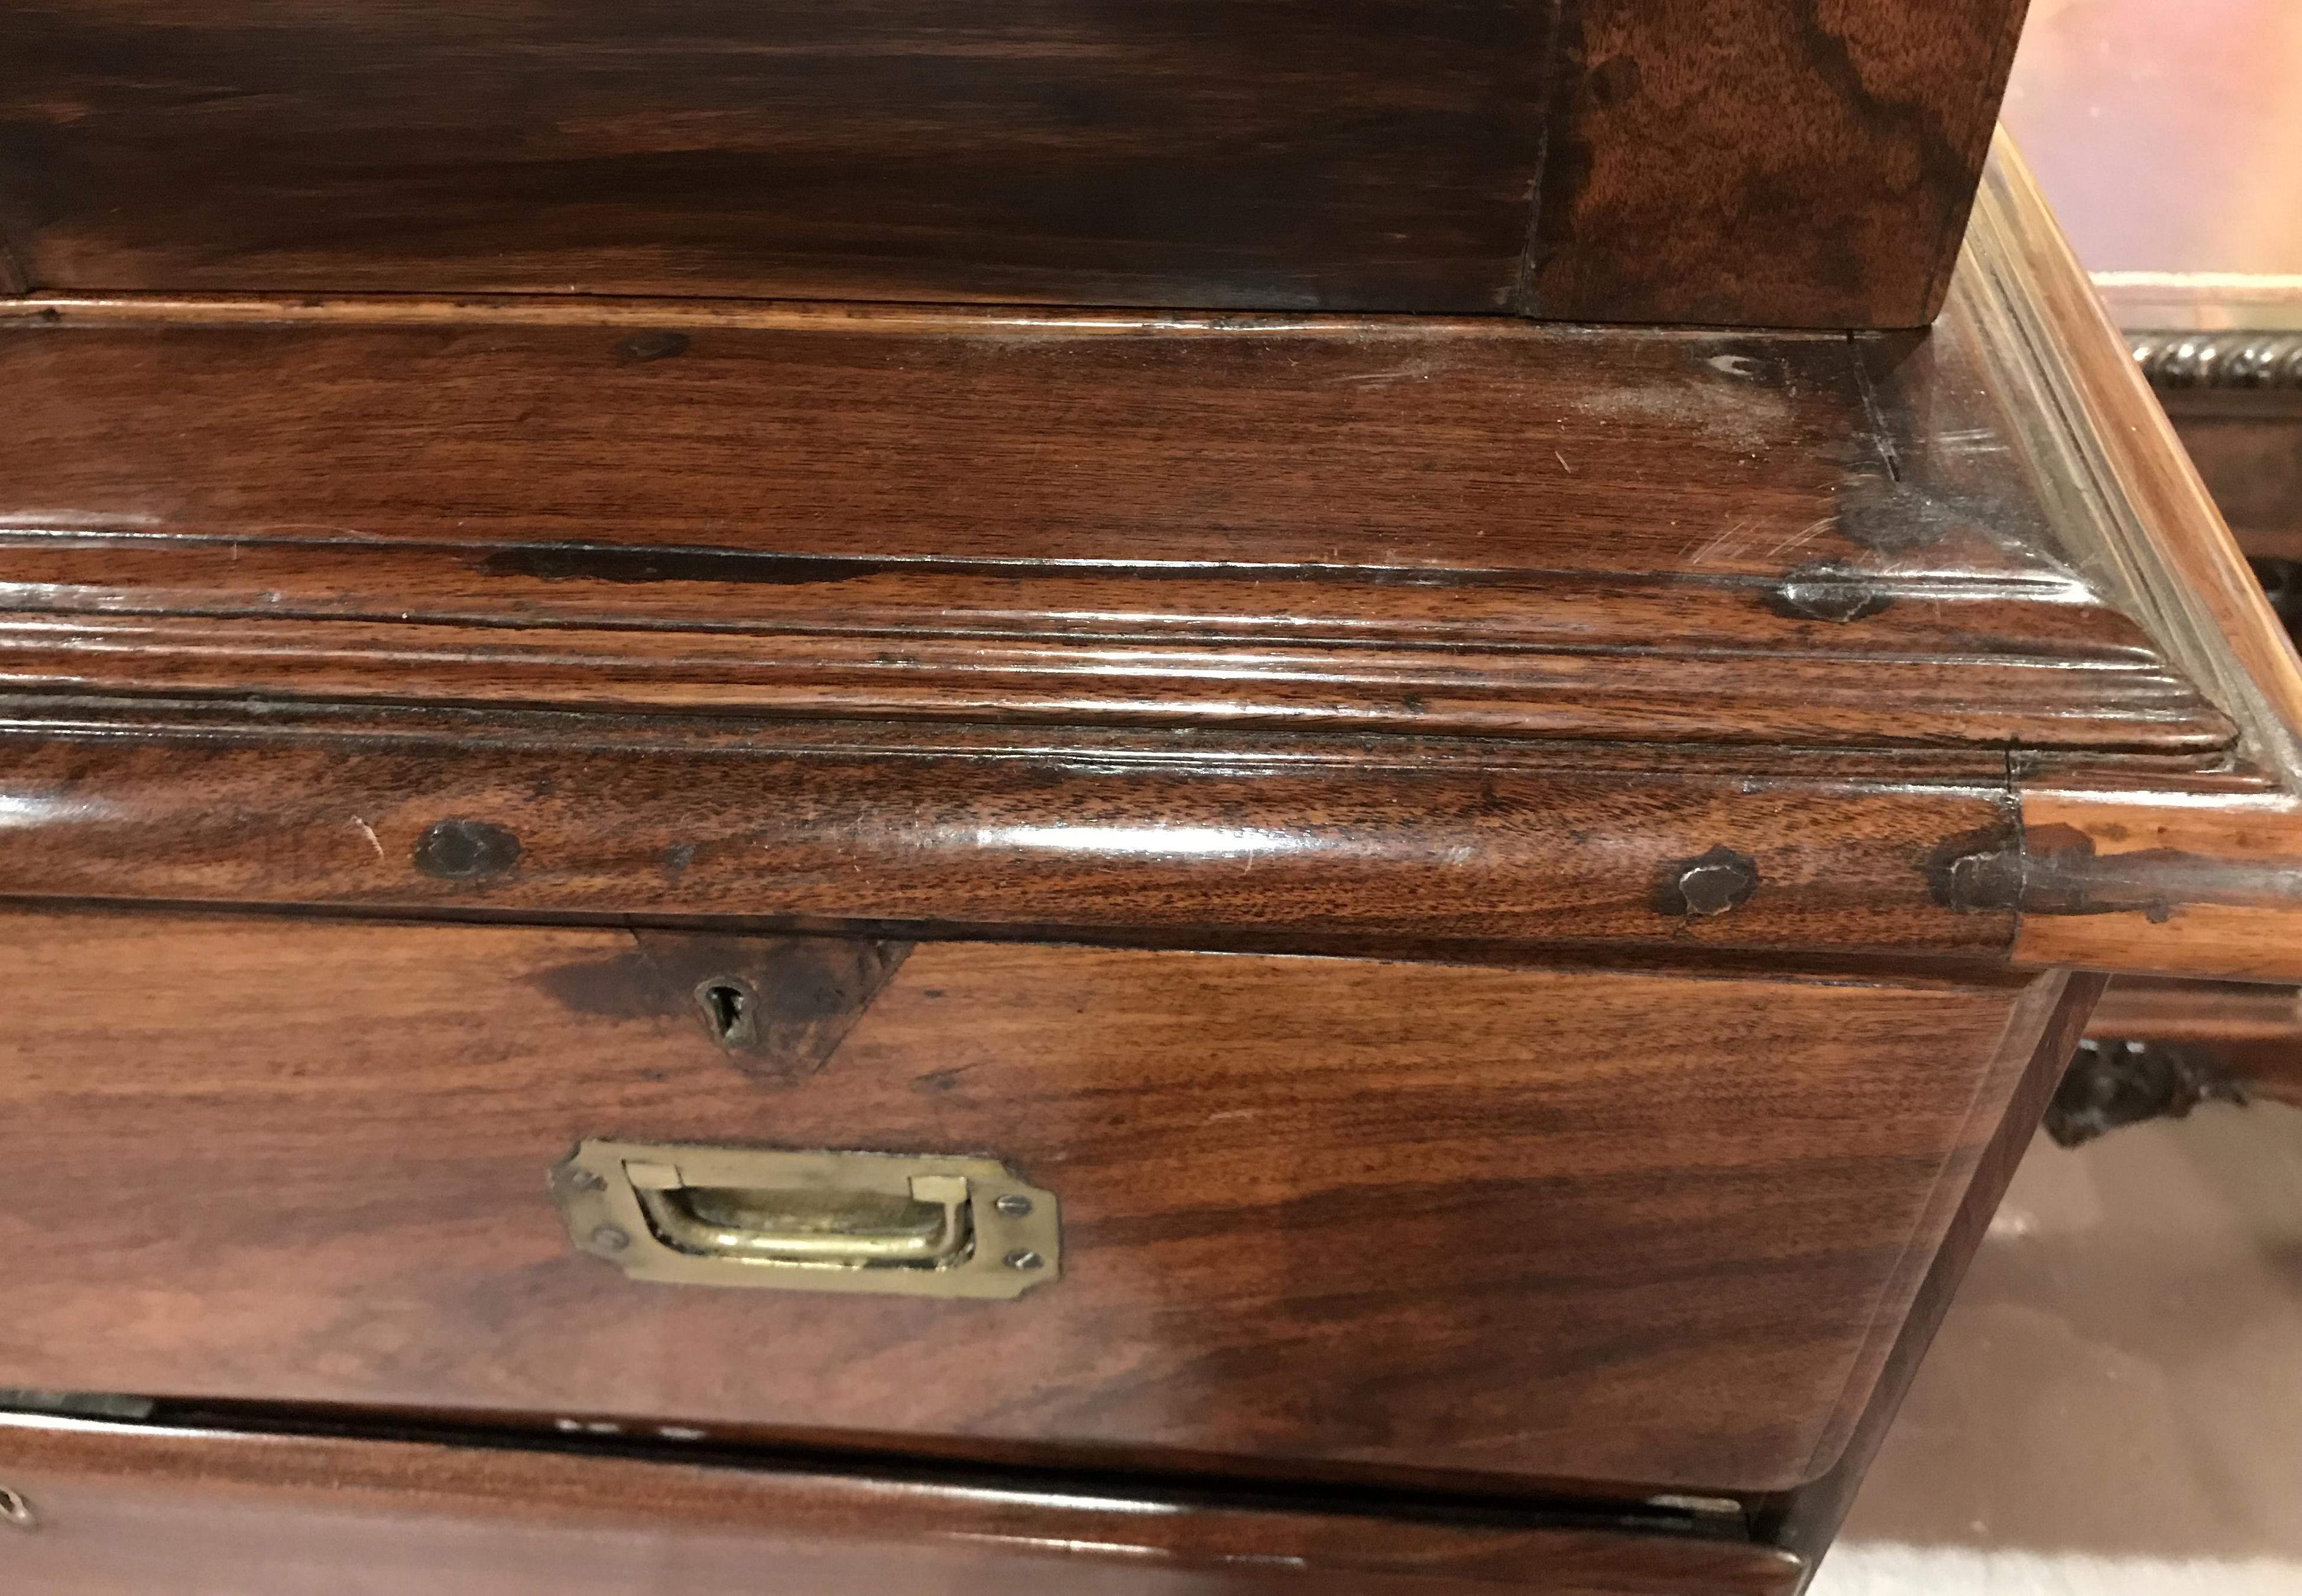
(2219, 359)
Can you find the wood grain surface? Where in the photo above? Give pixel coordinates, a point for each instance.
(1683, 183)
(121, 1509)
(1276, 153)
(1134, 626)
(2147, 884)
(1448, 528)
(2146, 1008)
(1708, 159)
(1420, 845)
(1421, 1219)
(1806, 1520)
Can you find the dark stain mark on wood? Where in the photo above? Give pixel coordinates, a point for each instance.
(1878, 513)
(1615, 79)
(777, 1006)
(1711, 883)
(572, 562)
(459, 850)
(652, 346)
(2055, 870)
(1977, 872)
(1822, 591)
(604, 562)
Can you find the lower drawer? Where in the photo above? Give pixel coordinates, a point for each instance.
(100, 1509)
(1388, 1219)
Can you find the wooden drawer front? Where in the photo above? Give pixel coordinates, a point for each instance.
(1613, 1227)
(120, 1510)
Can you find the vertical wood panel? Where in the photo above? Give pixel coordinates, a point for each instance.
(1801, 163)
(1751, 162)
(1293, 154)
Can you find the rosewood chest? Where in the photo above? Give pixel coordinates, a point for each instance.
(809, 803)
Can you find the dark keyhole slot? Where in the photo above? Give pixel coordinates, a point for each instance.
(730, 1010)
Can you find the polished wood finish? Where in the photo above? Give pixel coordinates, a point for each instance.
(1408, 1217)
(765, 522)
(2159, 1009)
(2200, 883)
(1184, 154)
(1676, 164)
(2119, 881)
(2169, 150)
(1217, 844)
(198, 535)
(2197, 877)
(124, 1510)
(1553, 808)
(1702, 160)
(1166, 693)
(1806, 1520)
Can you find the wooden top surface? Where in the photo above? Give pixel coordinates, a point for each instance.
(1451, 527)
(1418, 634)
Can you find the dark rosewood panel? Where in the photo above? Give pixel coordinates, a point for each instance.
(121, 1511)
(1709, 160)
(1808, 1519)
(1273, 153)
(1017, 437)
(1788, 162)
(1217, 842)
(1227, 630)
(1384, 525)
(1416, 1219)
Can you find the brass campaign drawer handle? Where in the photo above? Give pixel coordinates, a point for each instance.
(810, 1222)
(865, 1228)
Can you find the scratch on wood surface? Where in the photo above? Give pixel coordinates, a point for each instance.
(1700, 554)
(1804, 534)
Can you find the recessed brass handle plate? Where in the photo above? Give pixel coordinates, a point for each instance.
(925, 1226)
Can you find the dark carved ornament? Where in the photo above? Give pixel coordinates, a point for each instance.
(2115, 1083)
(2239, 359)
